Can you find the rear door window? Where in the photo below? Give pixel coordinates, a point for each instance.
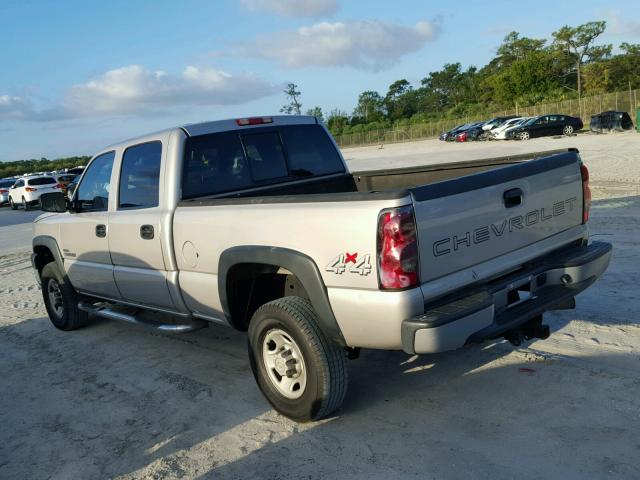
(214, 164)
(140, 176)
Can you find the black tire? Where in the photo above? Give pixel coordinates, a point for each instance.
(71, 317)
(25, 204)
(324, 360)
(12, 204)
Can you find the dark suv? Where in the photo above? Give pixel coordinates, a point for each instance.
(545, 126)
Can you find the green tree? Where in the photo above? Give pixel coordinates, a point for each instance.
(316, 112)
(577, 45)
(293, 107)
(515, 48)
(370, 106)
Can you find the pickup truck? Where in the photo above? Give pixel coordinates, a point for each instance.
(257, 224)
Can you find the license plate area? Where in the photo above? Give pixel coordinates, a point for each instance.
(515, 293)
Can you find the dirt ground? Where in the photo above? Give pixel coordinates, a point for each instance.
(118, 401)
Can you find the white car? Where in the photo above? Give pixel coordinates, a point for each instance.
(27, 191)
(5, 185)
(500, 132)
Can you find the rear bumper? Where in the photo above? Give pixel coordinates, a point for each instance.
(492, 309)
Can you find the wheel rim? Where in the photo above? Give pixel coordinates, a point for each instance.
(524, 136)
(568, 130)
(55, 297)
(284, 364)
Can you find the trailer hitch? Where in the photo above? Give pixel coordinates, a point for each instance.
(528, 331)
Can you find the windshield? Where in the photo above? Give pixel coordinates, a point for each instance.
(7, 184)
(530, 121)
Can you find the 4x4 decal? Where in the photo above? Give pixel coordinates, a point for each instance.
(349, 262)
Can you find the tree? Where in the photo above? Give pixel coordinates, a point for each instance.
(369, 107)
(399, 102)
(577, 44)
(294, 107)
(516, 48)
(316, 112)
(337, 121)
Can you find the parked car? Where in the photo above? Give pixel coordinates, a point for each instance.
(545, 126)
(5, 186)
(445, 136)
(473, 132)
(469, 132)
(611, 120)
(500, 132)
(75, 170)
(211, 222)
(64, 180)
(27, 191)
(497, 122)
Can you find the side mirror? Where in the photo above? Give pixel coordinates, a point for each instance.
(53, 202)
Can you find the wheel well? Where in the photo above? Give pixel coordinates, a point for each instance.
(43, 256)
(251, 285)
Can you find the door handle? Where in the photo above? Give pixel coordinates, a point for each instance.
(512, 198)
(146, 232)
(101, 231)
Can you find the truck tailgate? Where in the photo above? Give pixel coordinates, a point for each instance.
(472, 219)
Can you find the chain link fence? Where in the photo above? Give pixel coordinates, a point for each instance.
(583, 108)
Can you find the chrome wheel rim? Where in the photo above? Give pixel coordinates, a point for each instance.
(524, 136)
(55, 297)
(284, 363)
(568, 130)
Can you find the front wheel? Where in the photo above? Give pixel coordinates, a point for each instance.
(567, 130)
(524, 136)
(302, 373)
(61, 299)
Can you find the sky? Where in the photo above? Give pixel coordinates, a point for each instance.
(79, 75)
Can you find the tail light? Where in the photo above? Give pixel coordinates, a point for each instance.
(586, 193)
(31, 189)
(397, 249)
(4, 191)
(243, 122)
(59, 185)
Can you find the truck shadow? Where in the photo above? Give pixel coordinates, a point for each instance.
(115, 399)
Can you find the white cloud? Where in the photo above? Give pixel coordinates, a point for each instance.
(368, 45)
(293, 8)
(13, 107)
(136, 90)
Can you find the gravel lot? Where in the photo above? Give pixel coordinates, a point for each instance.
(118, 401)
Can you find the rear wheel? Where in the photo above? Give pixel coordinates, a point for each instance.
(25, 204)
(524, 136)
(61, 299)
(302, 373)
(12, 204)
(567, 130)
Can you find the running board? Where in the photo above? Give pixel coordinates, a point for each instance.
(107, 311)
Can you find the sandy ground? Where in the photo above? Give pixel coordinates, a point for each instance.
(118, 401)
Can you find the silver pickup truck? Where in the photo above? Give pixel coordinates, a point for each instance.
(257, 223)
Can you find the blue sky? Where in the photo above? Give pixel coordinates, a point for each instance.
(79, 75)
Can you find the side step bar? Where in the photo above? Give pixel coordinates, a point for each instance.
(107, 311)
